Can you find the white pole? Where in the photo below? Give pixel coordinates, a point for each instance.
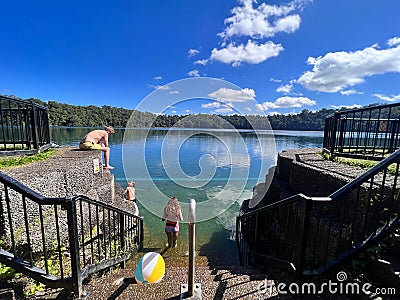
(192, 222)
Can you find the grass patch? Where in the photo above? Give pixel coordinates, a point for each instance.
(360, 163)
(26, 159)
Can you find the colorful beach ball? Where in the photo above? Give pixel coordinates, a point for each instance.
(150, 269)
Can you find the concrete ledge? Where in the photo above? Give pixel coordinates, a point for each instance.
(302, 171)
(68, 172)
(305, 171)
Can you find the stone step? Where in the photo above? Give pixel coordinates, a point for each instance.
(215, 282)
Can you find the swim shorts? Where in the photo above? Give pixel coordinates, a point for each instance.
(89, 146)
(171, 226)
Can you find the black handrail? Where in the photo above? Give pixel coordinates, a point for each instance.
(369, 132)
(24, 127)
(61, 241)
(312, 234)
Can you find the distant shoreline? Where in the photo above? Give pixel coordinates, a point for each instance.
(194, 128)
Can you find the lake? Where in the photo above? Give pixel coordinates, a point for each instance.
(217, 168)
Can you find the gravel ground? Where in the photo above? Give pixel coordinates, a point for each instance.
(216, 283)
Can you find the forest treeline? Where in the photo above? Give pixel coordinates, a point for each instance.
(61, 114)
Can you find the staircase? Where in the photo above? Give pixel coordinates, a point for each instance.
(310, 235)
(62, 241)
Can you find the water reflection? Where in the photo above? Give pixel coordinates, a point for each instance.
(209, 151)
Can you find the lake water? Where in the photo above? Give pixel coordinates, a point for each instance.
(217, 168)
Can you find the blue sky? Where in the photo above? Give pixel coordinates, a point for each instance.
(284, 55)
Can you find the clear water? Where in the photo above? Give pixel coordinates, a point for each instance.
(216, 168)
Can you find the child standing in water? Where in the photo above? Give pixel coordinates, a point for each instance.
(131, 196)
(172, 215)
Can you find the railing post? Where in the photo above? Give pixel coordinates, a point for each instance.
(302, 236)
(334, 131)
(327, 124)
(122, 237)
(238, 240)
(342, 133)
(74, 245)
(141, 235)
(191, 290)
(192, 239)
(34, 126)
(394, 129)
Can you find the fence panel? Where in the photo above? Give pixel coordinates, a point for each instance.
(61, 241)
(371, 133)
(24, 125)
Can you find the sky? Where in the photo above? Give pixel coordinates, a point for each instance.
(281, 56)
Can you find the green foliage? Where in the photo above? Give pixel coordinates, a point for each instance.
(33, 288)
(360, 263)
(326, 156)
(53, 266)
(6, 272)
(22, 160)
(305, 120)
(361, 163)
(61, 114)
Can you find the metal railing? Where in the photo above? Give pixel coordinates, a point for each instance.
(370, 133)
(309, 235)
(24, 126)
(61, 241)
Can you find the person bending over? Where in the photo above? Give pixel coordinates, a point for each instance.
(98, 140)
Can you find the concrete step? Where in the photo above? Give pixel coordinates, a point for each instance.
(216, 283)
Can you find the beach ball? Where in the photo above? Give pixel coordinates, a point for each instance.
(150, 268)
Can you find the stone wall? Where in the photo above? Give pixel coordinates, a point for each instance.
(302, 171)
(69, 172)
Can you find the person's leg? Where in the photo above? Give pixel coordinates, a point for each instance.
(106, 151)
(170, 238)
(175, 239)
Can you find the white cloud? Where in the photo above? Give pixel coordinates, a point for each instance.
(287, 88)
(174, 92)
(351, 92)
(338, 70)
(286, 102)
(391, 98)
(219, 107)
(194, 73)
(158, 78)
(393, 41)
(230, 95)
(262, 21)
(174, 111)
(224, 110)
(201, 62)
(211, 105)
(160, 87)
(193, 52)
(273, 113)
(251, 53)
(187, 111)
(275, 80)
